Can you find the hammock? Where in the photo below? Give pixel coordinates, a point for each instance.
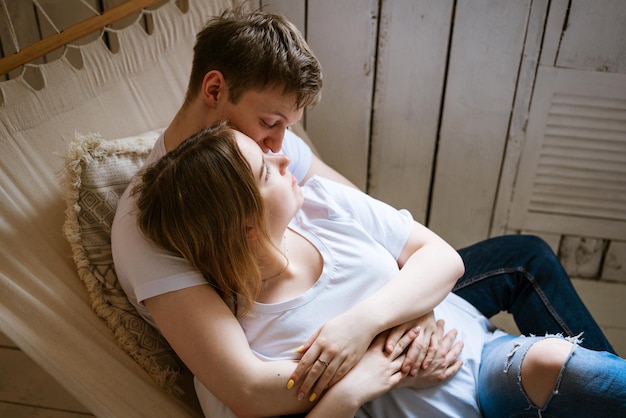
(67, 151)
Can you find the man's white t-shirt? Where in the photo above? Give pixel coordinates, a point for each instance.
(143, 269)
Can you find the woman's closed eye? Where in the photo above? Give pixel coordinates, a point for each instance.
(267, 171)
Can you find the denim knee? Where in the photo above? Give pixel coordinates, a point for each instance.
(500, 389)
(591, 383)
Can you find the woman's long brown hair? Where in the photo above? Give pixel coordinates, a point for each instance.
(198, 201)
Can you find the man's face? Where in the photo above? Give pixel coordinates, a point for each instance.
(264, 116)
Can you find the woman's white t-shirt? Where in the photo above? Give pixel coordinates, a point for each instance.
(360, 239)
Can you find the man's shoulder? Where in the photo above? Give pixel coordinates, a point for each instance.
(125, 211)
(125, 234)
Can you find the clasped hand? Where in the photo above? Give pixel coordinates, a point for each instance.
(429, 355)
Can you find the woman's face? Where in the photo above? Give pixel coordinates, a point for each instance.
(279, 188)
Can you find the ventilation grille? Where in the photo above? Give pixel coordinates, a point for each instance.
(581, 170)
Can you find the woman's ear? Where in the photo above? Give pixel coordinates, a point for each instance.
(251, 233)
(213, 88)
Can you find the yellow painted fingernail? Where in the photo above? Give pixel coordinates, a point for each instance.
(299, 349)
(290, 383)
(312, 397)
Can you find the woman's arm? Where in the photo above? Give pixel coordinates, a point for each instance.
(375, 374)
(209, 340)
(378, 372)
(429, 267)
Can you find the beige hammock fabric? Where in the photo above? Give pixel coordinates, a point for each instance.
(45, 307)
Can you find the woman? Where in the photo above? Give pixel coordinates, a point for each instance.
(292, 261)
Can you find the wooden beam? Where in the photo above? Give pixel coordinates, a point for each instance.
(71, 34)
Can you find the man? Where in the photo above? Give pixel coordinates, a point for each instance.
(257, 72)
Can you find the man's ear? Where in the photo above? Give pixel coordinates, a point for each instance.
(213, 88)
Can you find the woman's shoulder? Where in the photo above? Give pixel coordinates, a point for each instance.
(322, 190)
(328, 199)
(326, 187)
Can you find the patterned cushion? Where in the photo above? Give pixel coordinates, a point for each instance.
(97, 172)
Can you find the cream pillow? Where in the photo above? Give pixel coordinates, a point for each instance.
(97, 171)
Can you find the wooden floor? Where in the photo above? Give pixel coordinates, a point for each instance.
(26, 391)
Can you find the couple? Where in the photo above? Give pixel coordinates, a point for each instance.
(515, 273)
(291, 260)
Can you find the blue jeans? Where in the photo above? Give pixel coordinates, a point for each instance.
(521, 275)
(591, 383)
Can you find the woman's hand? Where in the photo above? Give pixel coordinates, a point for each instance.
(445, 362)
(375, 374)
(328, 355)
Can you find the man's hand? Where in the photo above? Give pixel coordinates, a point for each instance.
(422, 350)
(445, 362)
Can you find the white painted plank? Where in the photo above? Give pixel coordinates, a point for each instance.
(546, 77)
(505, 321)
(294, 10)
(582, 257)
(343, 36)
(486, 50)
(615, 262)
(517, 128)
(412, 54)
(575, 225)
(605, 301)
(595, 37)
(553, 32)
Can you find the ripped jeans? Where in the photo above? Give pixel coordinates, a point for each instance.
(591, 383)
(520, 274)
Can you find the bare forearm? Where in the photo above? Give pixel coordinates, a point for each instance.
(264, 392)
(335, 404)
(209, 339)
(424, 281)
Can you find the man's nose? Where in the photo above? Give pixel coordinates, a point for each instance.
(274, 141)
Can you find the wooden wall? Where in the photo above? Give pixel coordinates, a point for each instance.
(484, 117)
(441, 107)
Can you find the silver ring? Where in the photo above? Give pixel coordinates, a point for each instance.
(323, 362)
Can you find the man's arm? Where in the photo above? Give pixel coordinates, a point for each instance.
(320, 168)
(208, 338)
